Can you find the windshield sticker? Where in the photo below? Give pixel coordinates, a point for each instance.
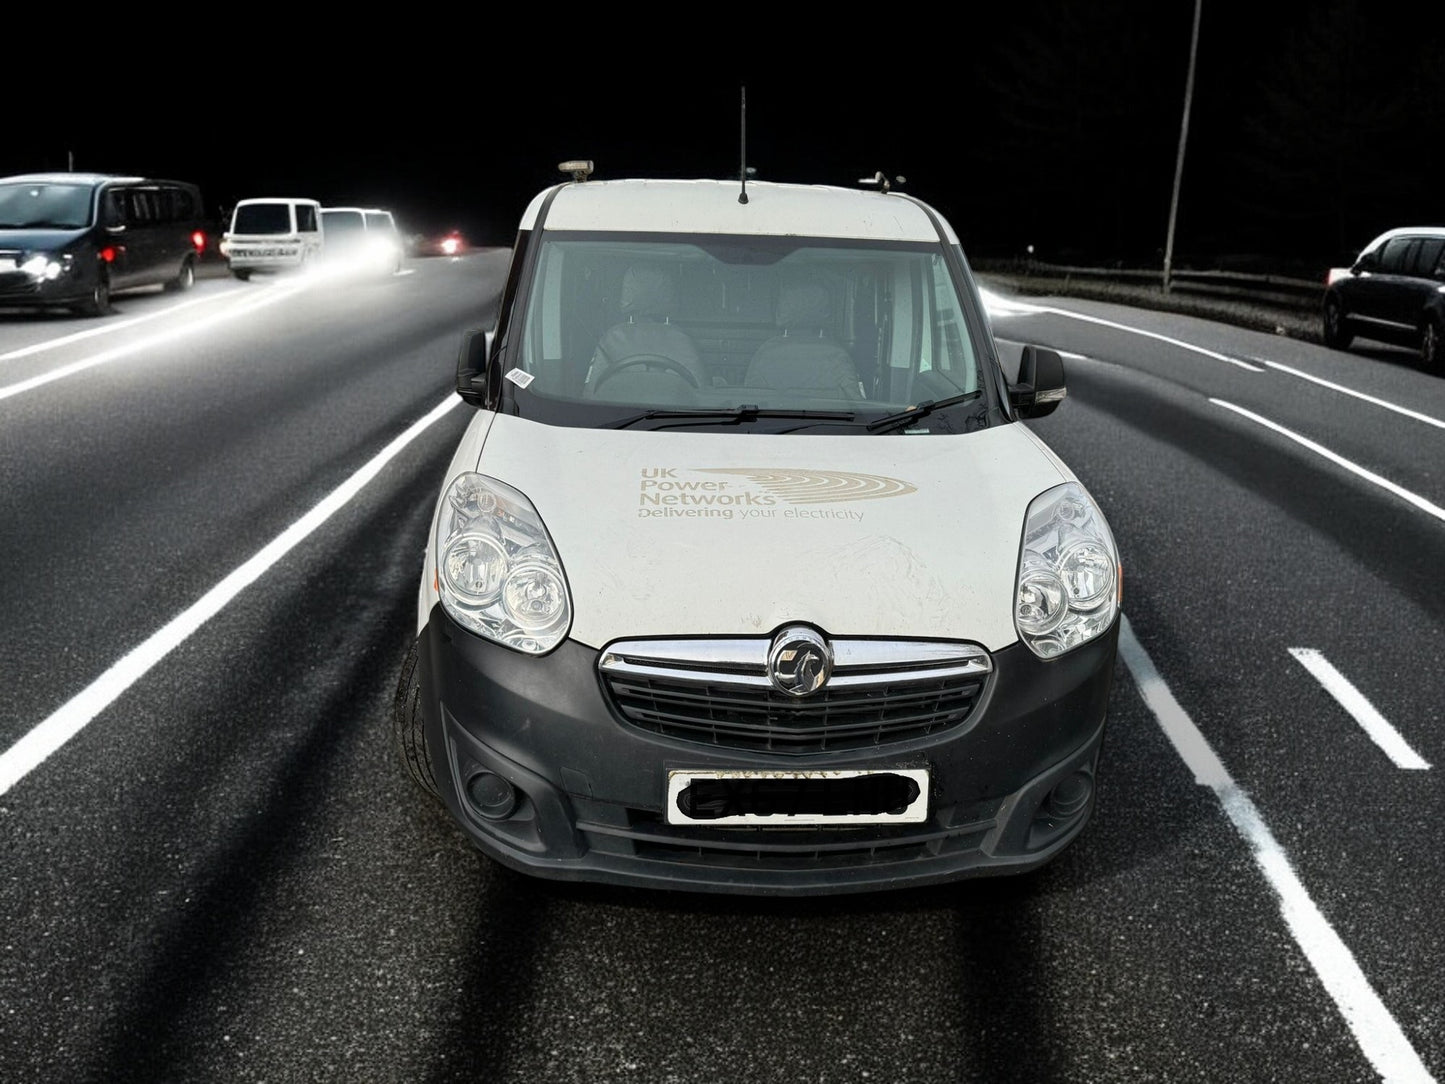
(760, 493)
(520, 378)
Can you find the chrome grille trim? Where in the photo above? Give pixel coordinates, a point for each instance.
(745, 661)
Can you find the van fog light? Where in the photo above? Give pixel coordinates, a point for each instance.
(1071, 795)
(491, 795)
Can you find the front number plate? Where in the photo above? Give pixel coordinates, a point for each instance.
(881, 796)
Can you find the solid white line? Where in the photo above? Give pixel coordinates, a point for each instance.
(1334, 457)
(1426, 418)
(273, 295)
(1007, 307)
(69, 719)
(107, 327)
(1378, 1034)
(1353, 701)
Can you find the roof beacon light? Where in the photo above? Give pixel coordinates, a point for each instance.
(883, 183)
(580, 168)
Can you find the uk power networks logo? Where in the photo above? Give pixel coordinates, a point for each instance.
(760, 493)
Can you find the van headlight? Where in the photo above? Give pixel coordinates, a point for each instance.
(496, 570)
(44, 267)
(1068, 577)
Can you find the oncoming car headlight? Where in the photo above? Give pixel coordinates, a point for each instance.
(496, 570)
(1068, 577)
(44, 266)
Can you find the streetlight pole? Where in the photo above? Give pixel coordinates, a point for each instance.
(1183, 136)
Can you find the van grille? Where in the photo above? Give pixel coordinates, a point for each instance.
(717, 692)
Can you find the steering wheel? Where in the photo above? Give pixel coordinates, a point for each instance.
(647, 361)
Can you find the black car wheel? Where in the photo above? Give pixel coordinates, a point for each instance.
(185, 277)
(407, 727)
(1432, 345)
(98, 303)
(1336, 329)
(243, 275)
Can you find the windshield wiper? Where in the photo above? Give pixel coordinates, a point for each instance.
(731, 416)
(903, 417)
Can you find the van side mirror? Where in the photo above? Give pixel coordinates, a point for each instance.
(472, 368)
(1040, 388)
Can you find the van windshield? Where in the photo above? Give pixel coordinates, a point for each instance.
(854, 329)
(44, 206)
(262, 218)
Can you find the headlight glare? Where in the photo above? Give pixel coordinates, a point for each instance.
(42, 265)
(1068, 577)
(497, 572)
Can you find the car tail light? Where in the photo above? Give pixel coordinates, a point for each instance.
(107, 254)
(198, 240)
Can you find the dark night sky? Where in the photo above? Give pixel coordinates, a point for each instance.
(1313, 125)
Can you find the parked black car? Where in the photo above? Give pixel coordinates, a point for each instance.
(1394, 293)
(71, 240)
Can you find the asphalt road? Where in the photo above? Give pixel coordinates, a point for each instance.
(212, 514)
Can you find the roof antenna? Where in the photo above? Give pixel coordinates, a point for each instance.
(743, 166)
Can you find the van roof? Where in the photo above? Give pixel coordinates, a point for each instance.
(713, 206)
(60, 177)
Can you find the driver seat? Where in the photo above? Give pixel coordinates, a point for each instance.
(649, 297)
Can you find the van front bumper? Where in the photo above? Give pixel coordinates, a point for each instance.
(544, 775)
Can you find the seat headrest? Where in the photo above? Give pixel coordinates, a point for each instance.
(802, 304)
(648, 291)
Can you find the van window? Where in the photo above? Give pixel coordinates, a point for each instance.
(1394, 257)
(1428, 257)
(263, 218)
(31, 204)
(341, 225)
(305, 217)
(139, 207)
(875, 321)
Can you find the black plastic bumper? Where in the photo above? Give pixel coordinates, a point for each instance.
(1010, 788)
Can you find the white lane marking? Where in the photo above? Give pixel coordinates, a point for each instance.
(108, 326)
(1378, 1034)
(1334, 457)
(1426, 418)
(1000, 306)
(273, 295)
(71, 717)
(1353, 701)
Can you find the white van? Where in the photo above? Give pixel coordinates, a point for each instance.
(361, 240)
(747, 575)
(272, 234)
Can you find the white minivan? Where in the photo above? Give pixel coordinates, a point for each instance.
(747, 575)
(272, 234)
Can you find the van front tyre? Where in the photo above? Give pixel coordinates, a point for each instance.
(407, 727)
(185, 277)
(98, 303)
